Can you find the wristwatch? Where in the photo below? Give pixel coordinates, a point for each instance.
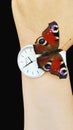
(27, 62)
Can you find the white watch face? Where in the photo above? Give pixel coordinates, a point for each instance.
(27, 62)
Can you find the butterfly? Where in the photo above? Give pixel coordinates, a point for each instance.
(50, 59)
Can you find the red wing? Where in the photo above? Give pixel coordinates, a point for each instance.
(49, 41)
(53, 64)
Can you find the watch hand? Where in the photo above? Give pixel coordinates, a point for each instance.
(28, 63)
(29, 59)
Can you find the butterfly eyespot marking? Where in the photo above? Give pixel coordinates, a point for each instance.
(41, 41)
(63, 72)
(47, 66)
(55, 29)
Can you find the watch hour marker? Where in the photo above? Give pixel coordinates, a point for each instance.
(22, 55)
(37, 71)
(27, 71)
(30, 49)
(32, 73)
(25, 51)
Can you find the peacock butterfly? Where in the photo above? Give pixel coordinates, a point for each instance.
(50, 59)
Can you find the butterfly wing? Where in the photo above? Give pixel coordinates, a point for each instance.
(47, 45)
(49, 41)
(54, 64)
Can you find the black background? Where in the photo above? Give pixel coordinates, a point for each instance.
(11, 95)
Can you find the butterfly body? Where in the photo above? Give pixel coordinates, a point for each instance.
(47, 45)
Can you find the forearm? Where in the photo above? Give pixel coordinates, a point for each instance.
(48, 101)
(47, 106)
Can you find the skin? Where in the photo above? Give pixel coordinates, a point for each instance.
(48, 101)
